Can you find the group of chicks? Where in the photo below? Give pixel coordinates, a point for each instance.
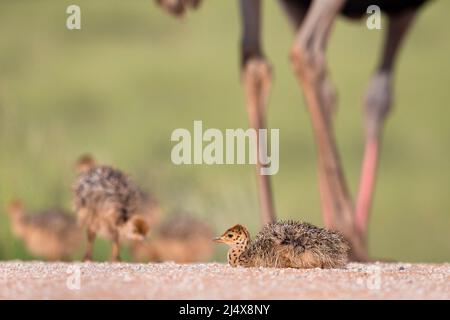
(108, 203)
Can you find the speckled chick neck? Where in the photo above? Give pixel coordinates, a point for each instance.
(238, 247)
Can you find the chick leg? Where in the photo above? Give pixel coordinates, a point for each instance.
(115, 254)
(90, 245)
(377, 105)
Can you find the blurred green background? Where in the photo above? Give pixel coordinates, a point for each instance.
(133, 74)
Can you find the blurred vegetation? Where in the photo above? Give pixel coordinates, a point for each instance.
(118, 88)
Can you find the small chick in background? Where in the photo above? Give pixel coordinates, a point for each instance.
(287, 244)
(52, 235)
(181, 239)
(110, 204)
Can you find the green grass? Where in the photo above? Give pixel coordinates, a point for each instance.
(118, 88)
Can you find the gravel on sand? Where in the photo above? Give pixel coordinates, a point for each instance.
(43, 280)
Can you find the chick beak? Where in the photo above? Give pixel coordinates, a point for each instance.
(218, 240)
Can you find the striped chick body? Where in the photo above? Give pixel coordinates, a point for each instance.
(286, 244)
(106, 200)
(296, 245)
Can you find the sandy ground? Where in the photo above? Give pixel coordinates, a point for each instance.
(39, 280)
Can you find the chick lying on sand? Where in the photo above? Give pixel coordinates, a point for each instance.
(181, 239)
(287, 244)
(50, 234)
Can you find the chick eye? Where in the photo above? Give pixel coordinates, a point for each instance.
(230, 236)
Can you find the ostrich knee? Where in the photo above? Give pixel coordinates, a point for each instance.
(307, 62)
(377, 104)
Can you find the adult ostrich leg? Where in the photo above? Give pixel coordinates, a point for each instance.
(256, 80)
(309, 63)
(308, 57)
(377, 105)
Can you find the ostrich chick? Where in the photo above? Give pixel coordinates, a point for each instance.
(110, 204)
(181, 239)
(286, 244)
(52, 234)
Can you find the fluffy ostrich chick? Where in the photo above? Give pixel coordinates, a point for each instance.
(286, 244)
(110, 204)
(181, 239)
(51, 234)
